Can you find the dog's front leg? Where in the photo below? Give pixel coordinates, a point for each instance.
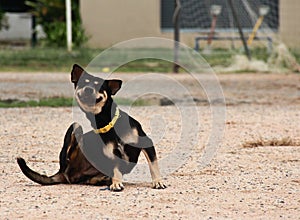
(157, 182)
(154, 169)
(117, 184)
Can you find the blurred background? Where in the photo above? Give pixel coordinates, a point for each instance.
(233, 36)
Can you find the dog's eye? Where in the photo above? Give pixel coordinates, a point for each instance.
(87, 81)
(96, 82)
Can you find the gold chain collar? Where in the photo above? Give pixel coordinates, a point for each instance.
(110, 124)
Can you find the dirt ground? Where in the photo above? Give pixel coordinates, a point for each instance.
(261, 182)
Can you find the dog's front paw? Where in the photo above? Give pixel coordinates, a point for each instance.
(158, 185)
(116, 186)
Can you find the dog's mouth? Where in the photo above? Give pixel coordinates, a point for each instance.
(89, 100)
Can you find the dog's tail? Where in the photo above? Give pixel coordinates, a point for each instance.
(38, 178)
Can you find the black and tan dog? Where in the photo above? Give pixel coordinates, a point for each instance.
(111, 149)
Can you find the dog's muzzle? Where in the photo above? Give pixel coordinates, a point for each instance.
(89, 90)
(87, 95)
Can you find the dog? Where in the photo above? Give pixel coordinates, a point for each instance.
(101, 156)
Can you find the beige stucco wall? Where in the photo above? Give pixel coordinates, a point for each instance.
(290, 22)
(111, 21)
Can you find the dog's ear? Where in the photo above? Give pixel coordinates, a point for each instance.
(114, 85)
(76, 73)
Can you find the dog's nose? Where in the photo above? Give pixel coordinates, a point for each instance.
(88, 90)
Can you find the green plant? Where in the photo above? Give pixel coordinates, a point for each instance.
(51, 15)
(44, 59)
(44, 102)
(62, 102)
(3, 20)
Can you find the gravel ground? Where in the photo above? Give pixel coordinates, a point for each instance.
(240, 183)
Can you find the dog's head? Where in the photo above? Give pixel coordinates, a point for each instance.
(92, 93)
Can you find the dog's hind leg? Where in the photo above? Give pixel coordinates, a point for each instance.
(99, 180)
(60, 177)
(71, 139)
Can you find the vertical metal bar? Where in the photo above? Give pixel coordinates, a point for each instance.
(69, 24)
(237, 22)
(33, 33)
(212, 30)
(176, 35)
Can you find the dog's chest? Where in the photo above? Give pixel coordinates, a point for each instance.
(117, 145)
